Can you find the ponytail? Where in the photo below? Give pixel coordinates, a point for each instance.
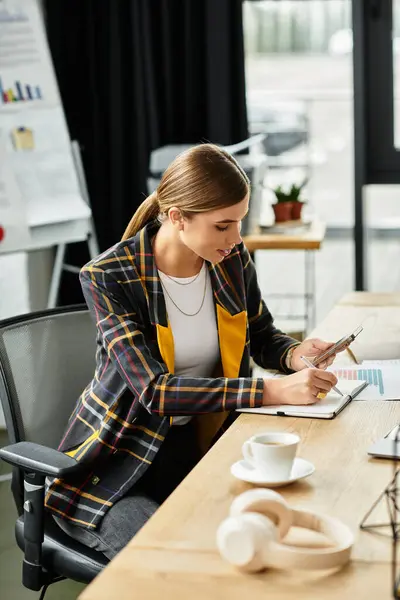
(147, 211)
(201, 179)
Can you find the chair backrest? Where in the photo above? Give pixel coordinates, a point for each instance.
(46, 360)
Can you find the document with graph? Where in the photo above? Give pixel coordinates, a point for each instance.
(383, 377)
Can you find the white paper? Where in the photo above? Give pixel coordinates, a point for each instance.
(45, 186)
(25, 65)
(383, 378)
(14, 232)
(392, 361)
(258, 372)
(325, 406)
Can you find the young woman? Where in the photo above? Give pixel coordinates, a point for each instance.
(179, 314)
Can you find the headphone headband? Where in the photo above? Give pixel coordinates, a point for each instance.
(268, 503)
(294, 557)
(251, 537)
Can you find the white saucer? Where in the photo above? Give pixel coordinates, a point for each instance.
(246, 472)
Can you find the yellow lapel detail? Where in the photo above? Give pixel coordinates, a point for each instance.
(165, 341)
(232, 340)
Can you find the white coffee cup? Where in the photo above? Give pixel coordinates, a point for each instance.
(272, 453)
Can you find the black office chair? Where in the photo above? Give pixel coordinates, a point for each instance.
(46, 360)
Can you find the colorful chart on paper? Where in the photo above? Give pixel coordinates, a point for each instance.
(373, 376)
(383, 378)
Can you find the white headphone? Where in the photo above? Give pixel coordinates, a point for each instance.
(250, 538)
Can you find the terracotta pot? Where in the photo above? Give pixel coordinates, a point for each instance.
(283, 211)
(296, 210)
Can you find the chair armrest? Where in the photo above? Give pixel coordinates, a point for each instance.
(35, 458)
(37, 462)
(251, 141)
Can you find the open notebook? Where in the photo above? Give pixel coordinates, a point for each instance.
(326, 408)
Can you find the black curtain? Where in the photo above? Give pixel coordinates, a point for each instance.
(135, 75)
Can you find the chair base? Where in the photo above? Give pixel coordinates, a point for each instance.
(47, 585)
(62, 556)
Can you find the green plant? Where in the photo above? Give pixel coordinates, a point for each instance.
(280, 195)
(291, 195)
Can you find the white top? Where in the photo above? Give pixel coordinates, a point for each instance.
(196, 344)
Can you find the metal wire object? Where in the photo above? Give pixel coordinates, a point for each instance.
(391, 528)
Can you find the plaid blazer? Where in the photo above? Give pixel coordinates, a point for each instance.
(123, 415)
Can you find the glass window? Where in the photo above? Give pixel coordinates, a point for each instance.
(300, 93)
(299, 75)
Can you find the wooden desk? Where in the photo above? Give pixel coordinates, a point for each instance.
(373, 299)
(174, 555)
(379, 314)
(148, 575)
(309, 240)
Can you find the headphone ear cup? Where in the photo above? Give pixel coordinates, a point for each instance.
(267, 503)
(243, 539)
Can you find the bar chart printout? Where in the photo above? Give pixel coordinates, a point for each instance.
(19, 92)
(374, 377)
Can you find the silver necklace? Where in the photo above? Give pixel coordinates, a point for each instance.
(202, 302)
(187, 282)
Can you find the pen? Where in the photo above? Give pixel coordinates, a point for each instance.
(309, 364)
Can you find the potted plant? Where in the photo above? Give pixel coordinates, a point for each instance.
(297, 203)
(288, 204)
(283, 205)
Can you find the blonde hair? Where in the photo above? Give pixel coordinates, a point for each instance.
(200, 179)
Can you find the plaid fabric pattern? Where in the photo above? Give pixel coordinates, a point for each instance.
(123, 415)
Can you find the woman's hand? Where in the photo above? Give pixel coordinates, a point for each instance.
(311, 348)
(299, 388)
